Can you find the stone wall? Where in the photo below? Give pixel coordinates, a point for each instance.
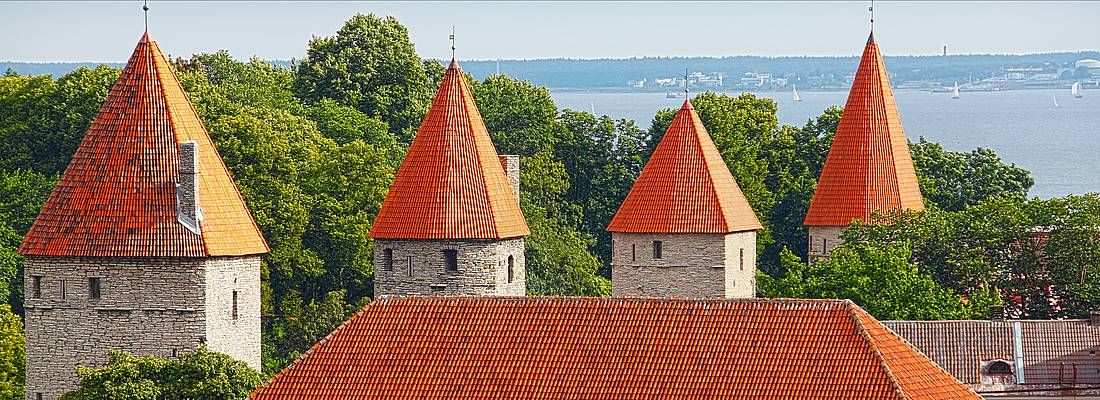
(148, 306)
(236, 337)
(690, 266)
(823, 239)
(418, 267)
(511, 169)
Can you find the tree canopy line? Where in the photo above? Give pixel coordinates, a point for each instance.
(314, 148)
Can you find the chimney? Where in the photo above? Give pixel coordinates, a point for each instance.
(511, 168)
(187, 190)
(1094, 318)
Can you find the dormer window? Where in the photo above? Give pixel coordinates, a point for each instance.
(1000, 368)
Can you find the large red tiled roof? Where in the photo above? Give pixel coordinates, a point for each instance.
(868, 168)
(451, 185)
(611, 348)
(117, 197)
(685, 187)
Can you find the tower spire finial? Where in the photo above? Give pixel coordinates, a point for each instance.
(452, 42)
(871, 10)
(685, 82)
(145, 7)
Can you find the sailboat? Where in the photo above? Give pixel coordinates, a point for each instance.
(1055, 97)
(955, 91)
(1076, 89)
(794, 94)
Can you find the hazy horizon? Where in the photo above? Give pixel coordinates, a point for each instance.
(43, 32)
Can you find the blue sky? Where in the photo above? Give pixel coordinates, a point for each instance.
(107, 31)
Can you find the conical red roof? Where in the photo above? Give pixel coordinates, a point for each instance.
(685, 187)
(451, 185)
(117, 198)
(869, 167)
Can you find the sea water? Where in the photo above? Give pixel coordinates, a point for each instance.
(1059, 145)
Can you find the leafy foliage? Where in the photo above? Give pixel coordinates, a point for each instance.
(200, 374)
(12, 354)
(955, 180)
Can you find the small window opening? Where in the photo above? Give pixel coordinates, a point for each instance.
(742, 259)
(94, 288)
(175, 353)
(824, 245)
(38, 396)
(657, 249)
(36, 287)
(234, 304)
(1000, 368)
(387, 260)
(63, 294)
(633, 252)
(450, 260)
(511, 267)
(410, 266)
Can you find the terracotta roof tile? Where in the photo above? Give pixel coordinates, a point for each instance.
(603, 348)
(868, 168)
(451, 184)
(117, 197)
(685, 187)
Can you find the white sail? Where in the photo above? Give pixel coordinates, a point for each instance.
(1076, 90)
(794, 93)
(1055, 97)
(955, 91)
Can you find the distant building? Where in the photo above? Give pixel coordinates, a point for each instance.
(451, 223)
(637, 83)
(685, 229)
(1022, 359)
(1092, 65)
(145, 245)
(868, 168)
(612, 348)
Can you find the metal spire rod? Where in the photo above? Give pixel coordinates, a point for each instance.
(452, 42)
(145, 7)
(685, 83)
(871, 9)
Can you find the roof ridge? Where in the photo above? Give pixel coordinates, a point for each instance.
(853, 311)
(710, 173)
(464, 90)
(316, 346)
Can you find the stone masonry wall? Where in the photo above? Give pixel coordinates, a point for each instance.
(823, 239)
(511, 169)
(418, 267)
(691, 265)
(148, 306)
(741, 264)
(236, 337)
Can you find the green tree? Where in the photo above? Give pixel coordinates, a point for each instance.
(371, 65)
(22, 193)
(878, 278)
(955, 180)
(12, 354)
(201, 374)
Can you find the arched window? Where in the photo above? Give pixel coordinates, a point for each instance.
(1000, 368)
(511, 268)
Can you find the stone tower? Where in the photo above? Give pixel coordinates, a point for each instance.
(868, 168)
(145, 245)
(451, 223)
(685, 229)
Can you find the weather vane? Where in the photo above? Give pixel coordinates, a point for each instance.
(452, 42)
(871, 10)
(145, 7)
